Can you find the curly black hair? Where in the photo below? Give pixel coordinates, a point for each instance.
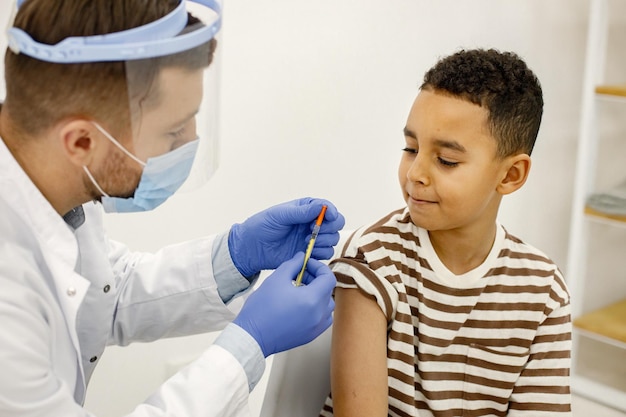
(500, 82)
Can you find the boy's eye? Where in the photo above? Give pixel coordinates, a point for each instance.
(409, 150)
(447, 163)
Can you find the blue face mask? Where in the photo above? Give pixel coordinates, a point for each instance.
(161, 177)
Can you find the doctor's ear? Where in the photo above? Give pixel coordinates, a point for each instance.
(516, 170)
(77, 138)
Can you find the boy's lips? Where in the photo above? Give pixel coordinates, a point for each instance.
(420, 200)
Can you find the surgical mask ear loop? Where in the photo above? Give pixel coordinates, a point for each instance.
(119, 145)
(94, 182)
(116, 143)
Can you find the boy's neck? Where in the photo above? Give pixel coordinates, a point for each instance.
(462, 250)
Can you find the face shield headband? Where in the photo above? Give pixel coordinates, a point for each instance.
(155, 39)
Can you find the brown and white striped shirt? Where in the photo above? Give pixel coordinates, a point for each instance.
(494, 341)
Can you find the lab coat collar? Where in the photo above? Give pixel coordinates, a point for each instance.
(22, 194)
(55, 238)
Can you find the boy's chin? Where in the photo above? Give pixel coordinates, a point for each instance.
(422, 222)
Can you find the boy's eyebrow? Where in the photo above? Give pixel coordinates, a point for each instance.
(442, 143)
(450, 144)
(409, 133)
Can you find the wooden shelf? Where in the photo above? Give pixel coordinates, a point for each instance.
(599, 337)
(598, 392)
(606, 216)
(612, 90)
(608, 322)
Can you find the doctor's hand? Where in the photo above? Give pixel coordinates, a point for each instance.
(274, 235)
(281, 316)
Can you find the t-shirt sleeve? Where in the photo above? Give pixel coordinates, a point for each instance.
(363, 265)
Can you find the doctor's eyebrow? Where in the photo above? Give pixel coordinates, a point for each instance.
(184, 119)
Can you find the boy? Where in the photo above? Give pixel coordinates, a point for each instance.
(439, 310)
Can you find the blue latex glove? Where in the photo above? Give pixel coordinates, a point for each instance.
(280, 316)
(274, 235)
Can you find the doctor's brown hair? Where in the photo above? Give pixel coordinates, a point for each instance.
(501, 83)
(41, 94)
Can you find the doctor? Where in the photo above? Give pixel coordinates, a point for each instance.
(108, 106)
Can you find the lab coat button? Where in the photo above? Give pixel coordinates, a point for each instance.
(71, 291)
(93, 359)
(106, 288)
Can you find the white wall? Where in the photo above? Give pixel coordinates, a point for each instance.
(314, 98)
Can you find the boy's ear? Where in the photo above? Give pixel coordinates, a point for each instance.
(516, 172)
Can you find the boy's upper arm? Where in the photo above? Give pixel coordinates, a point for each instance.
(359, 356)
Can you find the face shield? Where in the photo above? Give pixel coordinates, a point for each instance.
(168, 121)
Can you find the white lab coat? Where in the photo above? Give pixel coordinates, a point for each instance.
(148, 296)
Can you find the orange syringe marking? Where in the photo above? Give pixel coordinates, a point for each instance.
(309, 249)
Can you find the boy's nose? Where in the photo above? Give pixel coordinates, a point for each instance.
(418, 171)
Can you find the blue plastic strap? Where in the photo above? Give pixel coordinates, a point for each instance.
(158, 38)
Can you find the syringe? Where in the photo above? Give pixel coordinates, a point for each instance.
(309, 249)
